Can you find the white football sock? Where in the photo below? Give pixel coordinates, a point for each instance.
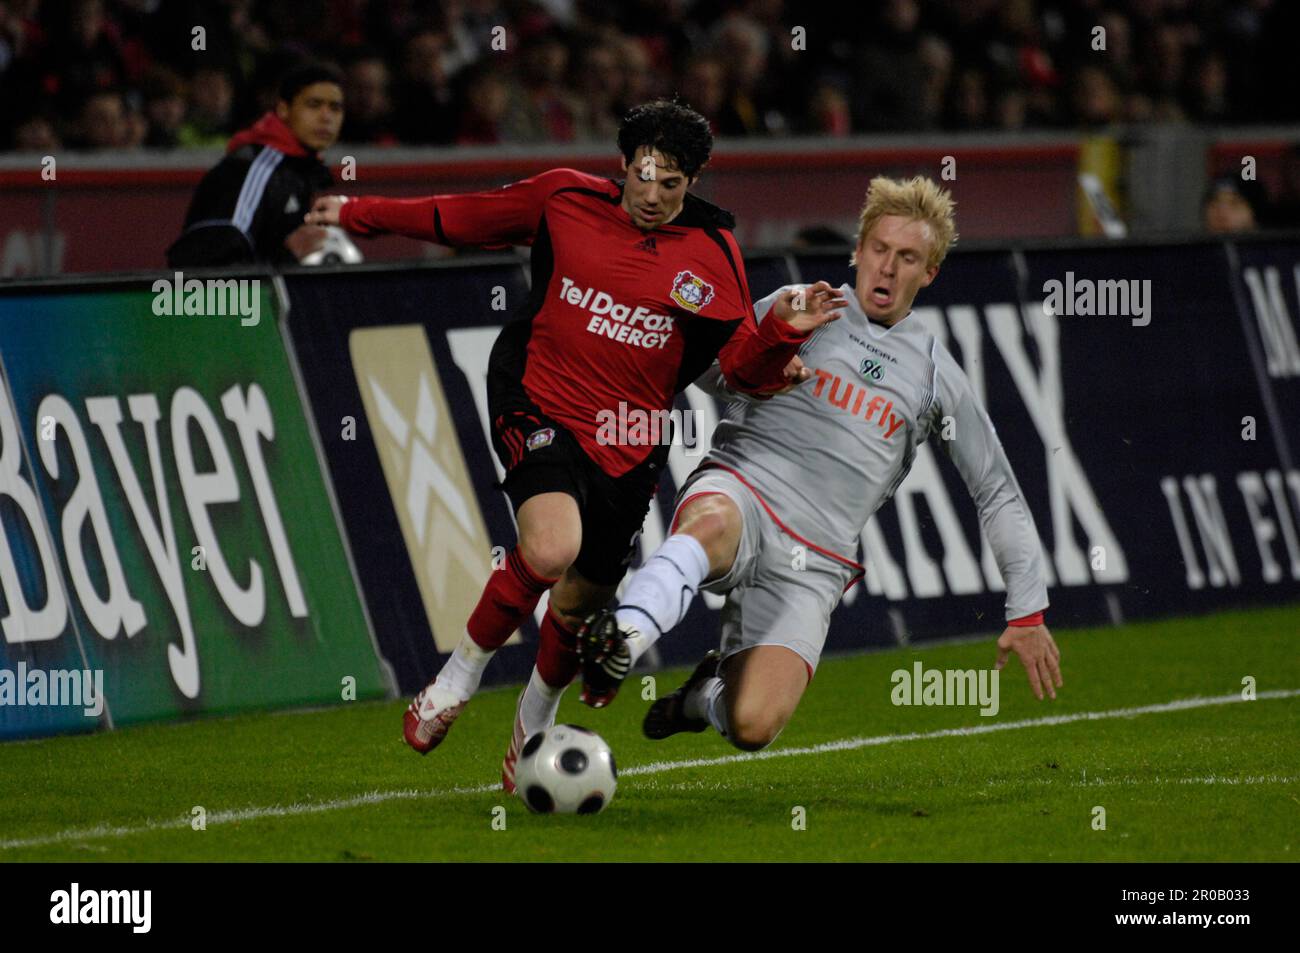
(540, 703)
(705, 701)
(659, 594)
(463, 669)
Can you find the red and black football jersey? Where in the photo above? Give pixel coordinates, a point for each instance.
(621, 319)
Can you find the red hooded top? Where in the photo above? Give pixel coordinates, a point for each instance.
(271, 131)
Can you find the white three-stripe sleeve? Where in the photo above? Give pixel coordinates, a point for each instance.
(250, 196)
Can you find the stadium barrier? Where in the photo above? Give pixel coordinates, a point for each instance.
(1148, 397)
(58, 209)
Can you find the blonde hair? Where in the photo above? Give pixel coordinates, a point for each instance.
(918, 198)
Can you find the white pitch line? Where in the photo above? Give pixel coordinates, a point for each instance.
(657, 767)
(851, 744)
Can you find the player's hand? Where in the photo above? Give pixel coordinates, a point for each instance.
(795, 374)
(325, 210)
(304, 240)
(807, 307)
(1038, 653)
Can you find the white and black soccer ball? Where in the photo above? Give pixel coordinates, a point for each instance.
(565, 769)
(338, 249)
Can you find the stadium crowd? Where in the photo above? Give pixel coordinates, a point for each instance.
(131, 74)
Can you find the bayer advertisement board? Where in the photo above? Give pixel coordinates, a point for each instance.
(1146, 433)
(169, 542)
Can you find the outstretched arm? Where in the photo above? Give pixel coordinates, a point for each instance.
(506, 216)
(964, 431)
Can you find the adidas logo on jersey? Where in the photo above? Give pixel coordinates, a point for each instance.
(647, 244)
(291, 206)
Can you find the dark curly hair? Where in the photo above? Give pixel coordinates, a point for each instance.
(671, 127)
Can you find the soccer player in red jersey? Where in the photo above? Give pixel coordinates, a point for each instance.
(638, 286)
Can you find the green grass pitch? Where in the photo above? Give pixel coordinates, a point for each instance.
(1213, 780)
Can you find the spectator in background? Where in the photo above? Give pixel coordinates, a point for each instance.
(905, 64)
(487, 97)
(369, 101)
(704, 86)
(1168, 63)
(250, 206)
(751, 107)
(468, 38)
(1207, 92)
(639, 85)
(36, 133)
(85, 57)
(936, 65)
(890, 93)
(830, 111)
(101, 123)
(1011, 109)
(1119, 48)
(1096, 98)
(969, 108)
(21, 36)
(164, 108)
(425, 104)
(1285, 211)
(1138, 107)
(1232, 204)
(599, 82)
(1026, 76)
(135, 126)
(541, 108)
(212, 96)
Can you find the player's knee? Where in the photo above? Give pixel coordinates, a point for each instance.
(708, 528)
(715, 523)
(752, 727)
(550, 554)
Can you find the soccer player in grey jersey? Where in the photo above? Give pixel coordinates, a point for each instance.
(773, 514)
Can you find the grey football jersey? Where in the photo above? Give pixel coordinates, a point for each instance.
(830, 453)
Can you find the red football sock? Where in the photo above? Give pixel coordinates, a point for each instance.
(509, 597)
(557, 653)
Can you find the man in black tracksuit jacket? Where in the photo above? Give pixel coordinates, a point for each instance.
(250, 206)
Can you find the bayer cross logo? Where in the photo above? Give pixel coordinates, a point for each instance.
(871, 368)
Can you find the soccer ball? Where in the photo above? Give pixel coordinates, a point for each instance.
(337, 250)
(565, 769)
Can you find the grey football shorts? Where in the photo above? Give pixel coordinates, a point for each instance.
(779, 590)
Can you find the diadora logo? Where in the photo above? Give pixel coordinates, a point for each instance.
(423, 464)
(647, 244)
(691, 291)
(871, 368)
